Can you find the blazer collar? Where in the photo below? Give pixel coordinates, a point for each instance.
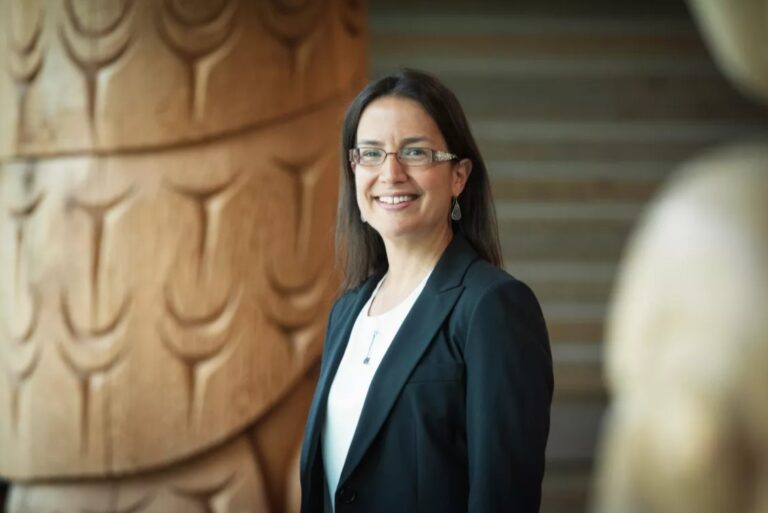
(453, 264)
(427, 314)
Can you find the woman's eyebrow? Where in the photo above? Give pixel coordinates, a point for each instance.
(403, 142)
(369, 142)
(412, 140)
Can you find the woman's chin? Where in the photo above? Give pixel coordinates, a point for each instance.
(405, 232)
(395, 231)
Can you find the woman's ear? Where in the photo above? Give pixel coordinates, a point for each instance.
(461, 173)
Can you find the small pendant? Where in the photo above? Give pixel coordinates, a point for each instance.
(370, 346)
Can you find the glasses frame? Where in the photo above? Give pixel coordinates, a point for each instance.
(434, 156)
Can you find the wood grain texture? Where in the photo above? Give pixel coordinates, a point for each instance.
(174, 263)
(225, 480)
(142, 74)
(168, 181)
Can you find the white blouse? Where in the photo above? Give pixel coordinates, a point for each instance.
(369, 340)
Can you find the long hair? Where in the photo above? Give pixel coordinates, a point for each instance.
(359, 248)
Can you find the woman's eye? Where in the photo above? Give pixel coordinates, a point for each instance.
(370, 153)
(414, 152)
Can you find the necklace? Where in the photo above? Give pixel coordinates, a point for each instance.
(375, 333)
(370, 346)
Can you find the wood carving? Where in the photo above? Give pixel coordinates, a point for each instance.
(167, 195)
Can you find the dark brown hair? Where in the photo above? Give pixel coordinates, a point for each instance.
(359, 247)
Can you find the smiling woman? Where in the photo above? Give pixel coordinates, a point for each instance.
(436, 378)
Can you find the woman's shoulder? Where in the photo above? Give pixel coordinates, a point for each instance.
(485, 282)
(483, 275)
(494, 299)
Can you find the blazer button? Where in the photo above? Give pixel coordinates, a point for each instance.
(347, 495)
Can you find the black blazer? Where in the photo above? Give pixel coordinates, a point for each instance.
(457, 415)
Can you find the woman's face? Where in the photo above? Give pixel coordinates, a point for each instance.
(400, 201)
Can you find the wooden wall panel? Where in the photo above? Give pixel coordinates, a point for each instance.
(582, 110)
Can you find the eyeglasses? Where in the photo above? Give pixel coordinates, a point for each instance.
(409, 156)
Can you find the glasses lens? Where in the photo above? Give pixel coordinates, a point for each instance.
(415, 156)
(371, 156)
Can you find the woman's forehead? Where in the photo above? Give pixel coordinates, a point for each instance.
(392, 118)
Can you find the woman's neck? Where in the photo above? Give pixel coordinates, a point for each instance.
(409, 261)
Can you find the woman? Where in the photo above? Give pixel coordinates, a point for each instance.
(436, 377)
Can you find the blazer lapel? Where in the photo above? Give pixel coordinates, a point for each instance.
(416, 333)
(337, 343)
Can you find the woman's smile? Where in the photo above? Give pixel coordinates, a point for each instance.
(396, 202)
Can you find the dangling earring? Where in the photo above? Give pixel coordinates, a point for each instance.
(362, 217)
(456, 210)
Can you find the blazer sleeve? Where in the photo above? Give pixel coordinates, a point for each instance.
(509, 392)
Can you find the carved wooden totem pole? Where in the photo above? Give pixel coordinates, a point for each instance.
(168, 177)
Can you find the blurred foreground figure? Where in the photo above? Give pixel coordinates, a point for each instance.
(168, 179)
(737, 36)
(688, 333)
(688, 353)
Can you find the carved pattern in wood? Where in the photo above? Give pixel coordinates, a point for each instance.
(199, 37)
(26, 58)
(94, 48)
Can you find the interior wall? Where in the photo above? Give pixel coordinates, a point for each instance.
(581, 110)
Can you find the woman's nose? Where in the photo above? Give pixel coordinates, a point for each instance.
(392, 170)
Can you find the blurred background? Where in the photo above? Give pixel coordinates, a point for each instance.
(582, 110)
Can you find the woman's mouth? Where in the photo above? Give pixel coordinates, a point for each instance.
(395, 202)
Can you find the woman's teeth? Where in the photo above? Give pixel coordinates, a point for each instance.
(394, 200)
